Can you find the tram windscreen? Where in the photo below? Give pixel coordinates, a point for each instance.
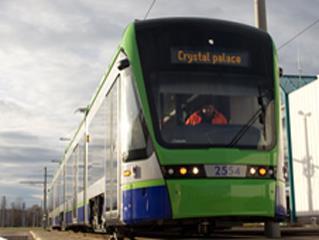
(209, 83)
(210, 110)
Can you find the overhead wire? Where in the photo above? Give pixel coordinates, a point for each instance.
(149, 9)
(298, 34)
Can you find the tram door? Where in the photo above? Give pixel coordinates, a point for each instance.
(111, 164)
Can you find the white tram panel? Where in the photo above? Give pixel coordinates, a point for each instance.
(82, 139)
(103, 155)
(148, 169)
(304, 117)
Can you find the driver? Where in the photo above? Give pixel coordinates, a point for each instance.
(207, 114)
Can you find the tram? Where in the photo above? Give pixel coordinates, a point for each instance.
(135, 165)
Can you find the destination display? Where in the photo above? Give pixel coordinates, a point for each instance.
(212, 57)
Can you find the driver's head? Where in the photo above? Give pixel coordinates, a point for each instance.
(208, 110)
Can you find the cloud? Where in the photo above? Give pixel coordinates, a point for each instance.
(13, 136)
(285, 20)
(26, 155)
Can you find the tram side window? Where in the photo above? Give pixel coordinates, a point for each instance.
(55, 193)
(51, 200)
(80, 164)
(61, 187)
(136, 143)
(69, 180)
(97, 146)
(74, 160)
(59, 190)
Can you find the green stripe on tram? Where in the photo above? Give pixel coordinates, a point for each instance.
(143, 184)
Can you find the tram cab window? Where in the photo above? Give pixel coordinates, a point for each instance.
(136, 144)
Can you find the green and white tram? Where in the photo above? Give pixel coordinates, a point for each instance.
(136, 165)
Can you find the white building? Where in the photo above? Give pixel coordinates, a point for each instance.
(304, 126)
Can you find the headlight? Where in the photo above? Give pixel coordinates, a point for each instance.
(262, 171)
(252, 171)
(195, 170)
(178, 171)
(183, 171)
(170, 171)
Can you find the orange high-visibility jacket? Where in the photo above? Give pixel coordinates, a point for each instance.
(195, 119)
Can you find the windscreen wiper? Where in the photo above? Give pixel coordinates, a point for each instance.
(242, 131)
(260, 113)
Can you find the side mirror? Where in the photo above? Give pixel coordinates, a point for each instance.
(261, 103)
(281, 72)
(262, 118)
(124, 63)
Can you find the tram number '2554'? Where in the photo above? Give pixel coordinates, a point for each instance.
(225, 170)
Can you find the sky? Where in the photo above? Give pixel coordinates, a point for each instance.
(53, 54)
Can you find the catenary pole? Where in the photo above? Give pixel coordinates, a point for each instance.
(260, 15)
(272, 228)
